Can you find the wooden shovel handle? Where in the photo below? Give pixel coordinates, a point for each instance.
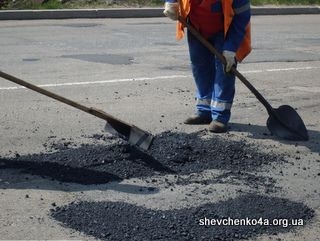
(119, 125)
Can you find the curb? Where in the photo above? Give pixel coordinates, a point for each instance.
(287, 10)
(81, 13)
(133, 13)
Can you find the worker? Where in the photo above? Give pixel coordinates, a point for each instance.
(226, 25)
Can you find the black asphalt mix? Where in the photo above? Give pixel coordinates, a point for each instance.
(178, 154)
(171, 153)
(121, 221)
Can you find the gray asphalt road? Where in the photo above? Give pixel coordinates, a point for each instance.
(137, 71)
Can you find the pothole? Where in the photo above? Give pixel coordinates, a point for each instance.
(171, 153)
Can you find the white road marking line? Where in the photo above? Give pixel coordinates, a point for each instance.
(313, 89)
(279, 70)
(101, 82)
(153, 78)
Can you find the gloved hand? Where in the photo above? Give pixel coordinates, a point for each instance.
(171, 10)
(230, 59)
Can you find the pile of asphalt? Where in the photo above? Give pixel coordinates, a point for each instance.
(122, 221)
(171, 153)
(179, 154)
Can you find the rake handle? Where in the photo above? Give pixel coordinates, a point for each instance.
(234, 71)
(119, 125)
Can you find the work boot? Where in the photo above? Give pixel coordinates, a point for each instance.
(218, 127)
(198, 120)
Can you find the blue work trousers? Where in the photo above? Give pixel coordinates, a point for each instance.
(214, 88)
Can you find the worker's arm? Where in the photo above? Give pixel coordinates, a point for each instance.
(236, 31)
(238, 26)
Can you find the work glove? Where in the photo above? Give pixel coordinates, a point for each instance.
(230, 58)
(171, 10)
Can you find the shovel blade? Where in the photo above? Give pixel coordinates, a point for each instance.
(286, 123)
(134, 135)
(140, 138)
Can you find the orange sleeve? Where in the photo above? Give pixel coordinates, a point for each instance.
(184, 9)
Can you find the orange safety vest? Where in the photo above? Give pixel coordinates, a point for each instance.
(228, 13)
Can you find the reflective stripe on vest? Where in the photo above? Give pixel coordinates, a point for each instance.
(242, 9)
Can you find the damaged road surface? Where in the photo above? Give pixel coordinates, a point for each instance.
(178, 155)
(63, 178)
(172, 153)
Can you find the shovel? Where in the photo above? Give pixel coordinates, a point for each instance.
(284, 121)
(131, 133)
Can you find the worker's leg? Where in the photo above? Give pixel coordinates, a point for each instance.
(223, 87)
(202, 63)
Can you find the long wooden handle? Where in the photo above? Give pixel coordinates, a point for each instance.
(119, 125)
(234, 71)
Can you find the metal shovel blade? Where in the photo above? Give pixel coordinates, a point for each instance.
(286, 123)
(134, 135)
(140, 138)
